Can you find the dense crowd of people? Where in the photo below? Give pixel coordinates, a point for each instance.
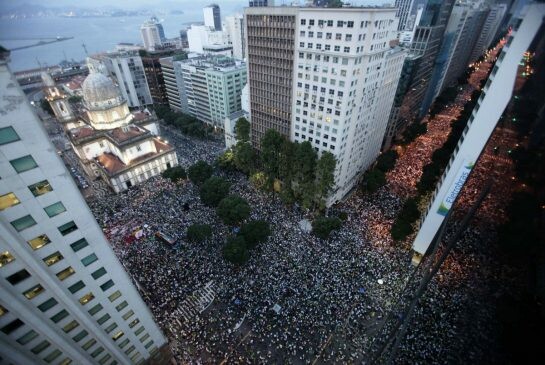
(299, 298)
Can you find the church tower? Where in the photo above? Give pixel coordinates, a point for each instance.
(57, 99)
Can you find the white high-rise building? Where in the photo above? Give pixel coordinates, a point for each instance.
(202, 38)
(327, 76)
(234, 26)
(65, 298)
(153, 34)
(212, 16)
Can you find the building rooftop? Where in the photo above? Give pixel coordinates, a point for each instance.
(75, 83)
(123, 134)
(82, 132)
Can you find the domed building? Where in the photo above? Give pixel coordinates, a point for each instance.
(113, 143)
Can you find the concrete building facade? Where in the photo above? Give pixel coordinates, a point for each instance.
(212, 16)
(65, 297)
(153, 34)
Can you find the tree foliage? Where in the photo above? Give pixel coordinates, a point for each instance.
(199, 232)
(323, 226)
(244, 157)
(213, 190)
(187, 124)
(233, 210)
(255, 232)
(175, 173)
(235, 250)
(199, 172)
(242, 130)
(270, 152)
(325, 178)
(46, 107)
(387, 160)
(373, 180)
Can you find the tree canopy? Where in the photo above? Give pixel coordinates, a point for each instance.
(323, 226)
(242, 130)
(244, 157)
(235, 250)
(255, 232)
(233, 210)
(199, 172)
(213, 190)
(175, 173)
(199, 232)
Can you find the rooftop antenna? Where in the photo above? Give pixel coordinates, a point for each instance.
(85, 49)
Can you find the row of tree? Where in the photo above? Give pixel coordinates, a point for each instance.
(375, 178)
(187, 124)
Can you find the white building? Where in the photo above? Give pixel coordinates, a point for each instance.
(153, 34)
(344, 76)
(200, 37)
(127, 70)
(496, 94)
(489, 29)
(212, 16)
(234, 27)
(65, 298)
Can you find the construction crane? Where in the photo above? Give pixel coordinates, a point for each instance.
(41, 41)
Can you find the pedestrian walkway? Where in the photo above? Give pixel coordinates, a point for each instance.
(197, 302)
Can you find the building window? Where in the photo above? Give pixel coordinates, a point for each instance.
(114, 296)
(27, 337)
(107, 285)
(40, 188)
(139, 331)
(103, 319)
(86, 261)
(97, 308)
(23, 164)
(350, 24)
(48, 304)
(53, 258)
(34, 291)
(97, 352)
(40, 347)
(346, 49)
(118, 335)
(23, 223)
(110, 328)
(8, 135)
(340, 23)
(98, 273)
(128, 314)
(80, 336)
(104, 359)
(303, 22)
(63, 274)
(76, 287)
(124, 343)
(79, 244)
(134, 323)
(52, 356)
(122, 305)
(12, 326)
(86, 298)
(67, 228)
(59, 316)
(54, 209)
(19, 276)
(70, 326)
(87, 345)
(39, 242)
(8, 201)
(337, 48)
(6, 258)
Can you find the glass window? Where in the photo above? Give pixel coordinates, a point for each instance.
(148, 345)
(128, 314)
(70, 326)
(3, 310)
(52, 356)
(23, 223)
(39, 242)
(97, 308)
(27, 337)
(87, 345)
(19, 276)
(104, 359)
(86, 261)
(40, 188)
(53, 258)
(8, 200)
(8, 135)
(77, 286)
(48, 304)
(63, 274)
(134, 323)
(54, 209)
(129, 350)
(40, 347)
(103, 319)
(23, 164)
(32, 292)
(144, 338)
(67, 228)
(99, 273)
(86, 298)
(114, 296)
(80, 336)
(139, 331)
(66, 361)
(124, 343)
(59, 316)
(12, 326)
(6, 258)
(79, 244)
(107, 285)
(97, 352)
(111, 327)
(117, 335)
(119, 307)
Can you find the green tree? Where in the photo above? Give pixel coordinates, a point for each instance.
(242, 130)
(259, 180)
(325, 174)
(255, 232)
(235, 250)
(200, 172)
(387, 160)
(286, 161)
(410, 211)
(46, 107)
(233, 210)
(305, 162)
(175, 173)
(199, 232)
(75, 99)
(270, 150)
(213, 190)
(226, 160)
(323, 226)
(244, 157)
(401, 229)
(374, 180)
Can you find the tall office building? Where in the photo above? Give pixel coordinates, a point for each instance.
(172, 79)
(327, 76)
(234, 26)
(154, 74)
(489, 30)
(260, 3)
(153, 34)
(65, 297)
(212, 16)
(403, 10)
